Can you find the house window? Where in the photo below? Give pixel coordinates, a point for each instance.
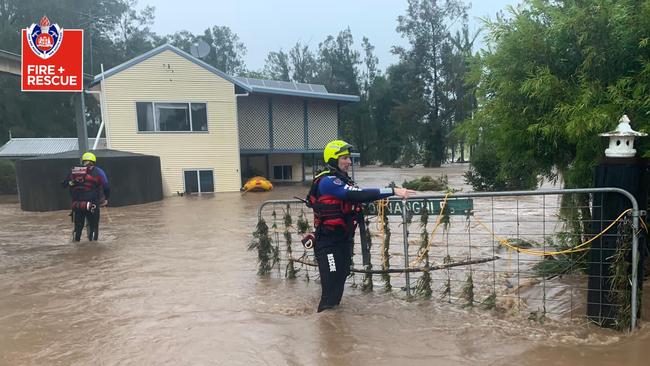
(171, 117)
(282, 172)
(198, 181)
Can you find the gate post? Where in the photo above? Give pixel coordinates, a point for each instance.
(619, 169)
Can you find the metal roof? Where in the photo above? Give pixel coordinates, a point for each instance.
(293, 89)
(166, 47)
(28, 147)
(9, 55)
(247, 84)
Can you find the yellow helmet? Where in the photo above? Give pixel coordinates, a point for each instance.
(89, 157)
(334, 150)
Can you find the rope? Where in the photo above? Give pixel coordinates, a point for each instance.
(420, 257)
(381, 207)
(576, 249)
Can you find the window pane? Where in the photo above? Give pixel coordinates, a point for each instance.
(287, 172)
(199, 117)
(191, 182)
(277, 172)
(144, 111)
(173, 116)
(207, 184)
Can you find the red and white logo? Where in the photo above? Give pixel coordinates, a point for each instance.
(44, 38)
(49, 63)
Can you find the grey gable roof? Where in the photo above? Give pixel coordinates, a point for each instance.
(248, 84)
(166, 47)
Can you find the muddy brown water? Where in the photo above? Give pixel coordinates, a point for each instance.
(171, 283)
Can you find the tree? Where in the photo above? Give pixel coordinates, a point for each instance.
(459, 87)
(559, 73)
(338, 62)
(303, 64)
(338, 70)
(388, 139)
(133, 36)
(370, 61)
(277, 66)
(227, 52)
(182, 40)
(425, 25)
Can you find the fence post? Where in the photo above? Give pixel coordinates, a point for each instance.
(406, 248)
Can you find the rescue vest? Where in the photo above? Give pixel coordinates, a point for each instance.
(85, 183)
(331, 212)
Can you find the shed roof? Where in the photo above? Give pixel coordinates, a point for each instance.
(28, 147)
(99, 153)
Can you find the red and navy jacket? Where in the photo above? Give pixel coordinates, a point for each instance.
(335, 199)
(87, 183)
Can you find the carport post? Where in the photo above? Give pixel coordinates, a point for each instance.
(82, 131)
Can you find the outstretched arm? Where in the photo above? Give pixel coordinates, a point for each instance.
(335, 187)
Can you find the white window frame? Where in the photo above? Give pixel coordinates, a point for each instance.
(156, 126)
(198, 180)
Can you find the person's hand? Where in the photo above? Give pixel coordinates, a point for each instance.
(104, 203)
(403, 192)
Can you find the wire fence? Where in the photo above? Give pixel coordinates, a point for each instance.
(556, 253)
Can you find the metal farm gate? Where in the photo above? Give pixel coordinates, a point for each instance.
(553, 253)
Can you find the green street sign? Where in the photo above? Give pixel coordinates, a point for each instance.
(453, 207)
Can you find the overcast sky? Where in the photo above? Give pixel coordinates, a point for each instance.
(268, 25)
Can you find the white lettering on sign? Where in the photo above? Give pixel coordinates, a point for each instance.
(46, 75)
(55, 80)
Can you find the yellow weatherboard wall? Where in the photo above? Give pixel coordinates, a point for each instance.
(168, 77)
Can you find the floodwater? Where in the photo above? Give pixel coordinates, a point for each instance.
(172, 283)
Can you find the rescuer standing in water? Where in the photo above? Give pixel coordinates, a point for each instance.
(336, 200)
(89, 189)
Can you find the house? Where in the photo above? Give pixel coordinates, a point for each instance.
(210, 129)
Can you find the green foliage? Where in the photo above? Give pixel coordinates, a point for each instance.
(366, 284)
(428, 183)
(490, 302)
(302, 223)
(8, 177)
(488, 173)
(555, 75)
(290, 270)
(425, 25)
(468, 291)
(423, 286)
(265, 251)
(620, 269)
(446, 290)
(275, 250)
(277, 65)
(559, 264)
(226, 51)
(385, 253)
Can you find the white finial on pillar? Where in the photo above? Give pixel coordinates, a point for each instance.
(621, 140)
